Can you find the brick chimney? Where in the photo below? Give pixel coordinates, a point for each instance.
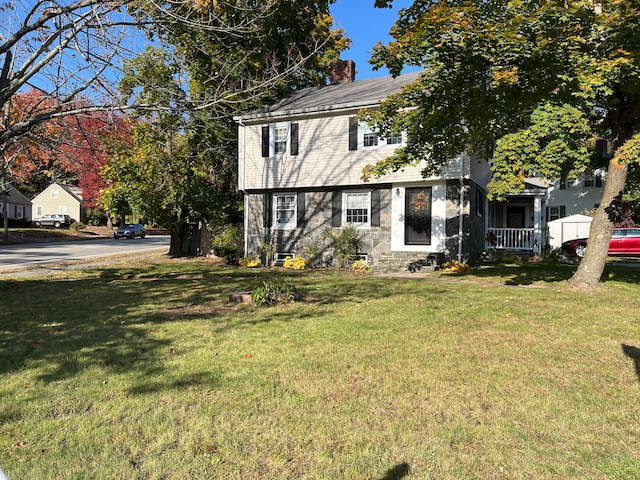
(342, 71)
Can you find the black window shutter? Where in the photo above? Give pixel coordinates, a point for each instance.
(294, 139)
(300, 206)
(547, 213)
(353, 133)
(265, 141)
(375, 207)
(266, 201)
(336, 209)
(598, 179)
(563, 183)
(563, 211)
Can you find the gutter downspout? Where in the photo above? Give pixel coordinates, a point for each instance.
(461, 210)
(245, 200)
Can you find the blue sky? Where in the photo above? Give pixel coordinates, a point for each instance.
(366, 26)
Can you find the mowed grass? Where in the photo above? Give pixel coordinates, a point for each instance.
(146, 371)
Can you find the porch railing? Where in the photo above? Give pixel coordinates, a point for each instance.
(510, 238)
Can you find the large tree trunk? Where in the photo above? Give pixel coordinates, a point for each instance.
(590, 270)
(178, 234)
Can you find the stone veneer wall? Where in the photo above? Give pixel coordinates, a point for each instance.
(376, 241)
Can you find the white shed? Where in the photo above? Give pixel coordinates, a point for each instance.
(568, 228)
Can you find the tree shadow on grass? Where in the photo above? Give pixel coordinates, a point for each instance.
(634, 354)
(60, 327)
(549, 273)
(398, 472)
(522, 274)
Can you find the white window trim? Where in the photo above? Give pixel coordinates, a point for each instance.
(362, 225)
(554, 216)
(363, 128)
(55, 193)
(273, 127)
(292, 224)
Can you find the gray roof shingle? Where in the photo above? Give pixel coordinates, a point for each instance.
(355, 95)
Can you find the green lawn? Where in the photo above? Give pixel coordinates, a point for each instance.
(148, 372)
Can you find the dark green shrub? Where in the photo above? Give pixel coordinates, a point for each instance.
(228, 242)
(77, 226)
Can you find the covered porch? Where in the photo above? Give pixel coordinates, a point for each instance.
(518, 224)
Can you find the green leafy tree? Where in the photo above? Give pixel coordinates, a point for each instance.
(530, 85)
(230, 57)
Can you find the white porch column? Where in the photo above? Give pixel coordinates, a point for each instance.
(537, 224)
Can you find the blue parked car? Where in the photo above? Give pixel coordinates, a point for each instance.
(130, 231)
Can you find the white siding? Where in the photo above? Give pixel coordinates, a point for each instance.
(324, 159)
(576, 200)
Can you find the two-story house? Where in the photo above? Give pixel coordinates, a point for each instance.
(300, 168)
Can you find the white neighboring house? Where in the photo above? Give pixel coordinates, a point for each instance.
(18, 206)
(522, 222)
(59, 198)
(300, 167)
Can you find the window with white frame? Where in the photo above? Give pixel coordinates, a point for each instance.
(63, 209)
(357, 209)
(55, 193)
(393, 139)
(39, 210)
(281, 139)
(555, 213)
(284, 211)
(362, 136)
(370, 138)
(19, 212)
(593, 179)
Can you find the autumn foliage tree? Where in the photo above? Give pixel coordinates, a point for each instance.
(65, 149)
(530, 85)
(233, 55)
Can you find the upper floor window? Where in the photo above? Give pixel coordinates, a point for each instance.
(55, 193)
(369, 137)
(394, 139)
(362, 136)
(568, 183)
(593, 179)
(554, 213)
(279, 139)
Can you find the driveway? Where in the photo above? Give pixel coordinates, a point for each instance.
(14, 257)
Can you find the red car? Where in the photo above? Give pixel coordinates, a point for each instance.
(624, 241)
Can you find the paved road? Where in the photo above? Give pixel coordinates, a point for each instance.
(29, 255)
